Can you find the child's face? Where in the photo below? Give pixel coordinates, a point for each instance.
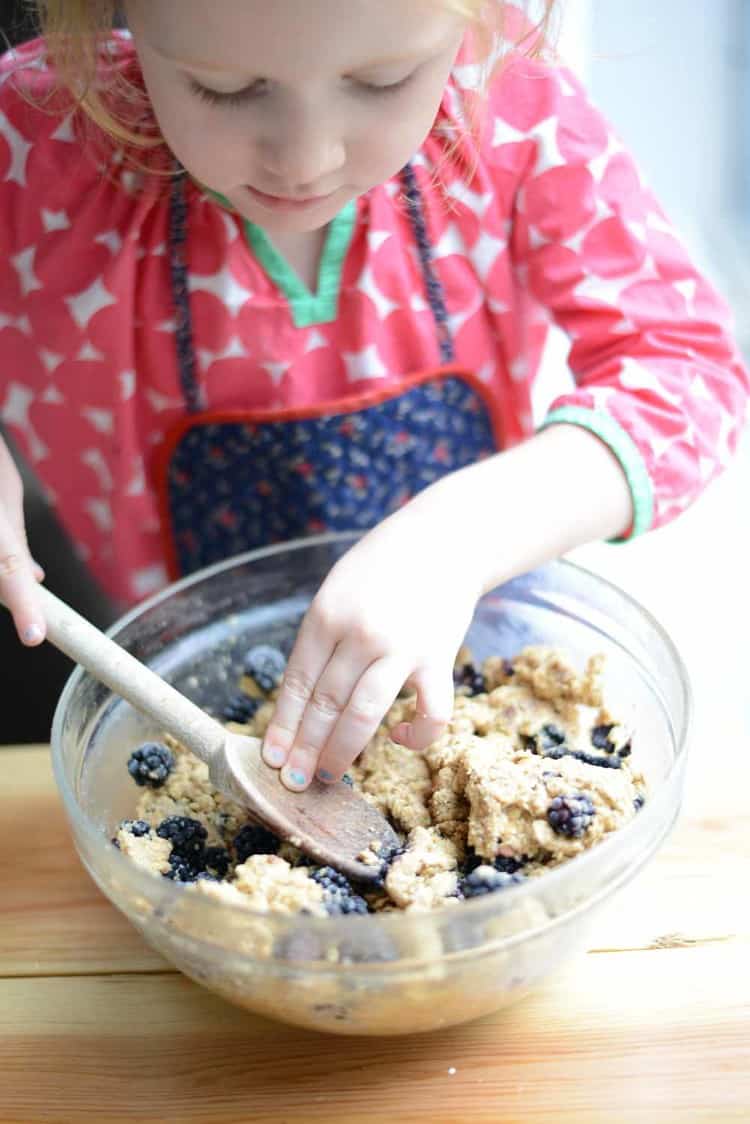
(270, 100)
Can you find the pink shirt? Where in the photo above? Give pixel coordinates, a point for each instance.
(542, 215)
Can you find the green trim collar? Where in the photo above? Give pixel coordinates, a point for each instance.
(309, 308)
(306, 308)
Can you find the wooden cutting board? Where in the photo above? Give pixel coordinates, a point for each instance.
(652, 1025)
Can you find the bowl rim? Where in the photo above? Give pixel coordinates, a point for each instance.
(172, 892)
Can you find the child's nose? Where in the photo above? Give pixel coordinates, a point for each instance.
(305, 154)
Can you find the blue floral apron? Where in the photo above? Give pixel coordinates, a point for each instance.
(232, 481)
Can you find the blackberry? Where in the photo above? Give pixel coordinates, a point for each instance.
(150, 764)
(338, 903)
(558, 751)
(387, 855)
(478, 684)
(265, 666)
(391, 853)
(216, 860)
(188, 839)
(639, 802)
(613, 762)
(486, 880)
(469, 676)
(549, 741)
(555, 752)
(182, 870)
(507, 865)
(254, 839)
(331, 879)
(471, 861)
(571, 815)
(600, 737)
(550, 736)
(240, 708)
(138, 828)
(338, 894)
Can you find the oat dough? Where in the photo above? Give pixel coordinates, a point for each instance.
(532, 770)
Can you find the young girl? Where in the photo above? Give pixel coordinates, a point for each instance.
(306, 288)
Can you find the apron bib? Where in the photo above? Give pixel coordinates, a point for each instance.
(233, 481)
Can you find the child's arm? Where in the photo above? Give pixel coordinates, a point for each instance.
(657, 409)
(396, 607)
(18, 571)
(658, 375)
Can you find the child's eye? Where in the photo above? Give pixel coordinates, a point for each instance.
(255, 90)
(385, 87)
(259, 88)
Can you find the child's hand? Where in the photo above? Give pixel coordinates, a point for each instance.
(19, 573)
(394, 609)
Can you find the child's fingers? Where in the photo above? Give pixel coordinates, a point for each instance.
(18, 584)
(36, 570)
(434, 707)
(356, 723)
(306, 663)
(325, 705)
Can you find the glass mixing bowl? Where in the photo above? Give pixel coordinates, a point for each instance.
(381, 973)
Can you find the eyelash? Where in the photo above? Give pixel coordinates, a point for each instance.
(215, 97)
(252, 93)
(393, 88)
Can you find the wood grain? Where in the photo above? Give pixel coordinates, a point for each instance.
(54, 919)
(652, 1025)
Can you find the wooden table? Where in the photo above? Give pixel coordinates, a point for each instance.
(652, 1025)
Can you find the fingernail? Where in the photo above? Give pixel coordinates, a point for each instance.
(297, 777)
(273, 756)
(324, 775)
(402, 737)
(33, 634)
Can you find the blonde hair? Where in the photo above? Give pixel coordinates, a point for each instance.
(76, 32)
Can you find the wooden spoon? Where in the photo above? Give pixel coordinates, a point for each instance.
(329, 822)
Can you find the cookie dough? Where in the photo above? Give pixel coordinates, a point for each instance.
(267, 882)
(531, 770)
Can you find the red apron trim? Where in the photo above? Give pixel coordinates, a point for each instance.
(162, 457)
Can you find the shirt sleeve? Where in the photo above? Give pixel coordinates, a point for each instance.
(658, 376)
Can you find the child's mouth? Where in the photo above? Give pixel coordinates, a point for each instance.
(286, 203)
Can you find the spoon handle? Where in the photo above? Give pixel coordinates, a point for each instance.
(128, 677)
